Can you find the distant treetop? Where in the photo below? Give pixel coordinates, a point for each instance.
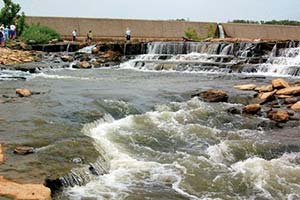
(273, 22)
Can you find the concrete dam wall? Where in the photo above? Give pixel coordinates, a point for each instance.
(146, 30)
(115, 28)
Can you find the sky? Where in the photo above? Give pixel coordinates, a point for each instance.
(194, 10)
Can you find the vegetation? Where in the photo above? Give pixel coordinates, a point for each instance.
(192, 34)
(272, 22)
(39, 34)
(9, 14)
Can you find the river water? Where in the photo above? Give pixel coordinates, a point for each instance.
(143, 134)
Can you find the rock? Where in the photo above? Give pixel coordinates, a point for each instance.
(214, 95)
(24, 191)
(22, 92)
(95, 50)
(280, 83)
(85, 64)
(279, 115)
(284, 96)
(291, 100)
(67, 58)
(289, 91)
(245, 87)
(234, 111)
(267, 88)
(266, 96)
(296, 106)
(24, 150)
(1, 154)
(251, 109)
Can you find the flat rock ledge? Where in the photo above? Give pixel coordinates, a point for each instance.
(24, 191)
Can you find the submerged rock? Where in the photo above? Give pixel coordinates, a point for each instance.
(245, 87)
(280, 83)
(24, 191)
(251, 109)
(279, 115)
(22, 92)
(67, 58)
(214, 95)
(85, 64)
(24, 150)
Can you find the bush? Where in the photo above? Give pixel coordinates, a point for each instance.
(39, 34)
(192, 34)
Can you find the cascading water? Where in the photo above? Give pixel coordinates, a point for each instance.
(217, 57)
(221, 31)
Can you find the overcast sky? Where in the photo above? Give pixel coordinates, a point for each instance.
(195, 10)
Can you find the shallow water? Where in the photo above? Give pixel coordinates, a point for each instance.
(156, 142)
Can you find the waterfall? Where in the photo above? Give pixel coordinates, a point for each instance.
(221, 31)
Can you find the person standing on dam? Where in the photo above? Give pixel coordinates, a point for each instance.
(74, 35)
(128, 34)
(89, 37)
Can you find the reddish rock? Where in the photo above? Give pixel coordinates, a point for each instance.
(85, 64)
(251, 109)
(24, 191)
(284, 96)
(266, 88)
(67, 58)
(289, 91)
(245, 87)
(95, 50)
(1, 154)
(266, 95)
(22, 92)
(214, 95)
(280, 83)
(279, 115)
(296, 106)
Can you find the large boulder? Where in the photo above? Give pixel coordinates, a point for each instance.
(214, 95)
(279, 115)
(251, 109)
(289, 91)
(280, 83)
(67, 58)
(245, 87)
(24, 191)
(266, 88)
(266, 95)
(296, 106)
(22, 92)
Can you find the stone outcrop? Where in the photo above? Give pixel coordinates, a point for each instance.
(245, 87)
(213, 95)
(24, 191)
(267, 88)
(289, 91)
(85, 64)
(22, 92)
(10, 57)
(296, 106)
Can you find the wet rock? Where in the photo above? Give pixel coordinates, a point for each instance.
(284, 96)
(280, 83)
(1, 154)
(214, 95)
(85, 64)
(24, 191)
(266, 95)
(266, 88)
(95, 50)
(77, 160)
(252, 109)
(245, 87)
(24, 150)
(289, 91)
(296, 106)
(279, 115)
(291, 100)
(67, 58)
(22, 92)
(234, 111)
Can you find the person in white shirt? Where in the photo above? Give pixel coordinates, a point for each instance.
(128, 34)
(12, 31)
(74, 35)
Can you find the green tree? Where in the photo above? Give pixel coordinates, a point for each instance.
(9, 14)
